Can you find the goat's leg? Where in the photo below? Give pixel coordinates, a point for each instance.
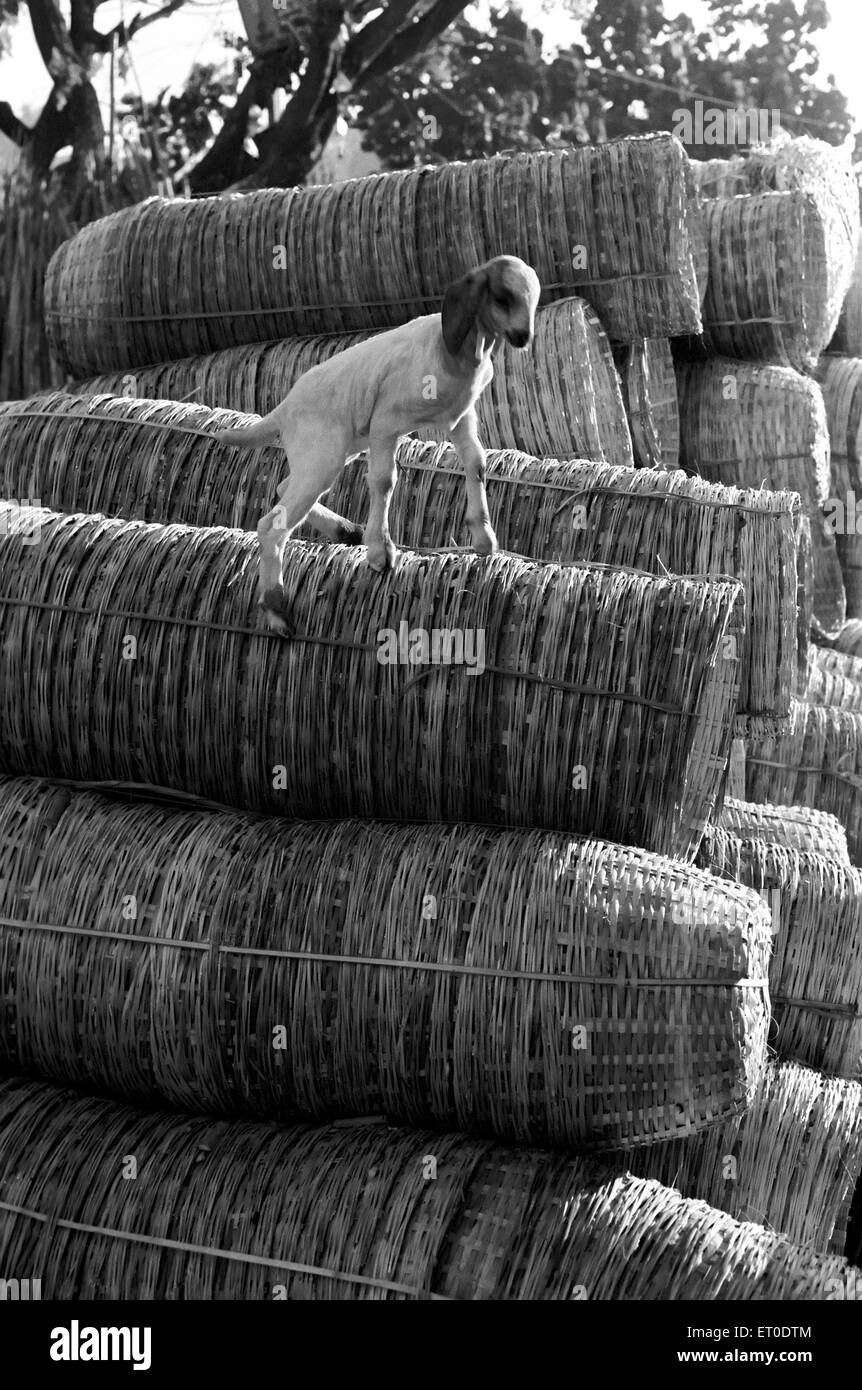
(296, 498)
(465, 437)
(382, 476)
(335, 527)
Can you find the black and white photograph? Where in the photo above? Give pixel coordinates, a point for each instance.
(430, 683)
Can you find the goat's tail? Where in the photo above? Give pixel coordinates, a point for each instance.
(266, 431)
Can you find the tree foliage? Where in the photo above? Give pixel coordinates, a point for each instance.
(424, 84)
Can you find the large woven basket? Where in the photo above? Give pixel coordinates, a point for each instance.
(765, 426)
(841, 382)
(830, 681)
(848, 334)
(789, 1163)
(156, 461)
(656, 520)
(830, 597)
(814, 167)
(754, 426)
(816, 761)
(795, 827)
(848, 640)
(619, 223)
(827, 659)
(451, 688)
(842, 521)
(720, 178)
(650, 395)
(815, 974)
(561, 398)
(499, 981)
(247, 1211)
(768, 287)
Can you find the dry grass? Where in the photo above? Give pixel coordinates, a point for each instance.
(35, 219)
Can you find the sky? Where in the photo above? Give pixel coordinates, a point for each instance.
(163, 53)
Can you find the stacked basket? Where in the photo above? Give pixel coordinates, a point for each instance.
(448, 858)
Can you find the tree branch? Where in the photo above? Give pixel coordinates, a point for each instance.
(218, 164)
(50, 32)
(124, 32)
(367, 42)
(10, 126)
(404, 43)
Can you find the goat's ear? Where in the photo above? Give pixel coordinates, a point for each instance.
(460, 307)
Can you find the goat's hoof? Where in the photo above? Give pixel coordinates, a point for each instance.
(485, 542)
(272, 609)
(351, 535)
(382, 558)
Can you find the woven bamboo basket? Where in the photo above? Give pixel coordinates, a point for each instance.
(848, 334)
(720, 178)
(795, 827)
(649, 391)
(754, 426)
(767, 293)
(826, 173)
(816, 761)
(805, 623)
(457, 976)
(827, 659)
(848, 641)
(789, 1163)
(450, 688)
(735, 770)
(830, 597)
(815, 974)
(156, 461)
(619, 223)
(614, 516)
(840, 380)
(765, 426)
(829, 684)
(561, 398)
(247, 1211)
(844, 522)
(804, 165)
